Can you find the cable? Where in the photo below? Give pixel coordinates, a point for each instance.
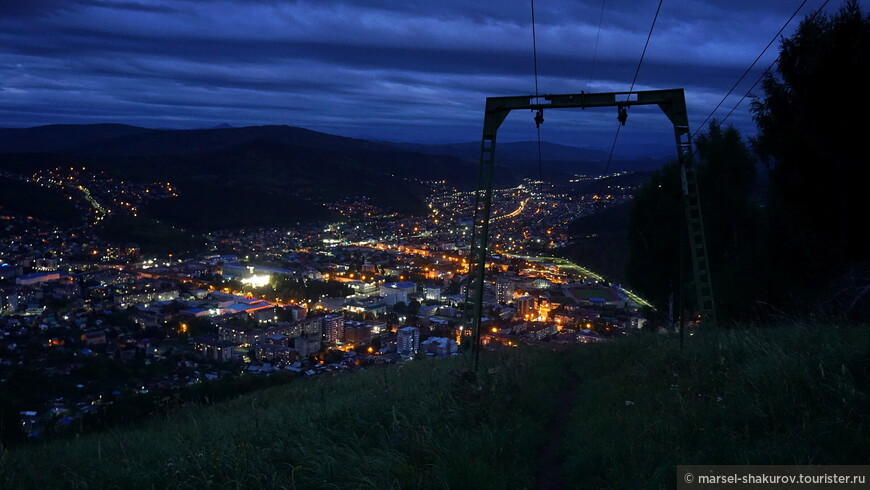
(766, 70)
(760, 77)
(537, 124)
(535, 48)
(634, 79)
(746, 72)
(595, 51)
(540, 160)
(645, 45)
(609, 159)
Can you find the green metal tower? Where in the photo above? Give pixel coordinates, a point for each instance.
(672, 102)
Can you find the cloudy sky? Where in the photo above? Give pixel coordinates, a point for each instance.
(399, 70)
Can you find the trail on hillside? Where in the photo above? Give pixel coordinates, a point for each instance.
(549, 475)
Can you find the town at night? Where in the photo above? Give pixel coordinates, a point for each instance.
(550, 244)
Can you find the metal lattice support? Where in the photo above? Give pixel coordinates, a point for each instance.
(480, 230)
(695, 225)
(673, 104)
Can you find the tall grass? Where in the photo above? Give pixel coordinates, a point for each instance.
(796, 395)
(417, 425)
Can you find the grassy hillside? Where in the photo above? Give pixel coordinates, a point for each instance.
(26, 199)
(600, 241)
(241, 178)
(618, 415)
(153, 237)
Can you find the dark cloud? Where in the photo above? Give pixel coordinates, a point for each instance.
(42, 8)
(15, 8)
(372, 68)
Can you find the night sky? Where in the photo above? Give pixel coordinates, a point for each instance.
(379, 69)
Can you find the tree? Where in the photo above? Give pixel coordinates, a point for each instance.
(812, 124)
(726, 176)
(413, 308)
(653, 236)
(733, 223)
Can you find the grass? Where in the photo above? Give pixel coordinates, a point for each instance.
(581, 293)
(417, 425)
(796, 395)
(789, 395)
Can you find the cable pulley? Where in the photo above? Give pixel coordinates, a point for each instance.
(621, 114)
(539, 118)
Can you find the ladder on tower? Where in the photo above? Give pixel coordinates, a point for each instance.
(478, 247)
(695, 225)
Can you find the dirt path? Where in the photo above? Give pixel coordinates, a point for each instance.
(551, 458)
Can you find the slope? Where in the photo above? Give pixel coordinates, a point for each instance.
(639, 408)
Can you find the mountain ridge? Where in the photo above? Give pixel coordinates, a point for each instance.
(282, 173)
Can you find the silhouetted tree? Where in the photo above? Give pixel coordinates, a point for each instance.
(726, 174)
(653, 237)
(812, 124)
(733, 224)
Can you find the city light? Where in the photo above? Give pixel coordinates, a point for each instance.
(257, 280)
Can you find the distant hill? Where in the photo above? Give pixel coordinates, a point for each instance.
(600, 240)
(561, 159)
(263, 182)
(121, 140)
(262, 175)
(252, 176)
(182, 142)
(512, 151)
(60, 137)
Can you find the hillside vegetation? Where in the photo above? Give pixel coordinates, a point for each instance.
(24, 198)
(636, 408)
(783, 210)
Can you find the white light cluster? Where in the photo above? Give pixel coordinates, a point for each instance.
(257, 280)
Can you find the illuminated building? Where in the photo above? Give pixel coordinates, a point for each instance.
(356, 333)
(236, 270)
(44, 265)
(378, 327)
(539, 331)
(264, 315)
(362, 288)
(36, 278)
(212, 347)
(307, 345)
(544, 308)
(276, 352)
(394, 292)
(240, 334)
(257, 281)
(408, 341)
(431, 292)
(525, 307)
(439, 346)
(333, 328)
(297, 312)
(371, 306)
(504, 290)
